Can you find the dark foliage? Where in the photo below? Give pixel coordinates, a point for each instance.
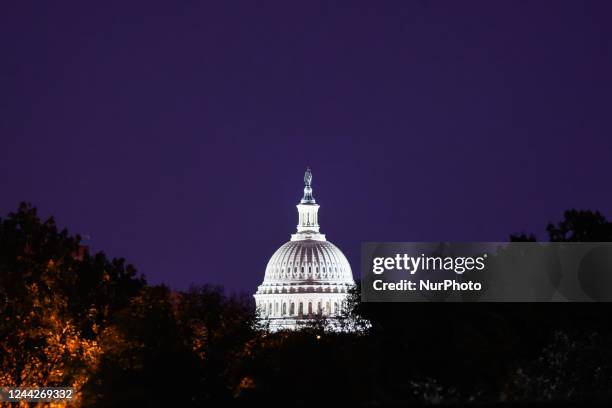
(74, 318)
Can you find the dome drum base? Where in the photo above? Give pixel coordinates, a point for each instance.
(293, 311)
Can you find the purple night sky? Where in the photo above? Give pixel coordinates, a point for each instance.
(177, 135)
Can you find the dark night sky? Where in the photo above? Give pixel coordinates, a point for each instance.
(176, 136)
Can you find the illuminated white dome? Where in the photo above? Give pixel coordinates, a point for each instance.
(305, 263)
(305, 277)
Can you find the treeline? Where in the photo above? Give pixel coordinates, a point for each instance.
(71, 318)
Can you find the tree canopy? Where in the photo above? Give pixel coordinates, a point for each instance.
(73, 318)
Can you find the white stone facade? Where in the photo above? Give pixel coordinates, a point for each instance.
(307, 276)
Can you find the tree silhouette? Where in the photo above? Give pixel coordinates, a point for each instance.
(71, 318)
(55, 299)
(581, 226)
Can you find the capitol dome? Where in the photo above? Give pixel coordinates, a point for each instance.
(305, 277)
(299, 264)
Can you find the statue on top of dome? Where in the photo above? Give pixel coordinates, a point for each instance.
(308, 177)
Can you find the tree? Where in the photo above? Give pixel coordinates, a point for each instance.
(190, 347)
(576, 226)
(55, 299)
(581, 226)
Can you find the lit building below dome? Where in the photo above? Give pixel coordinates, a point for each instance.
(307, 276)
